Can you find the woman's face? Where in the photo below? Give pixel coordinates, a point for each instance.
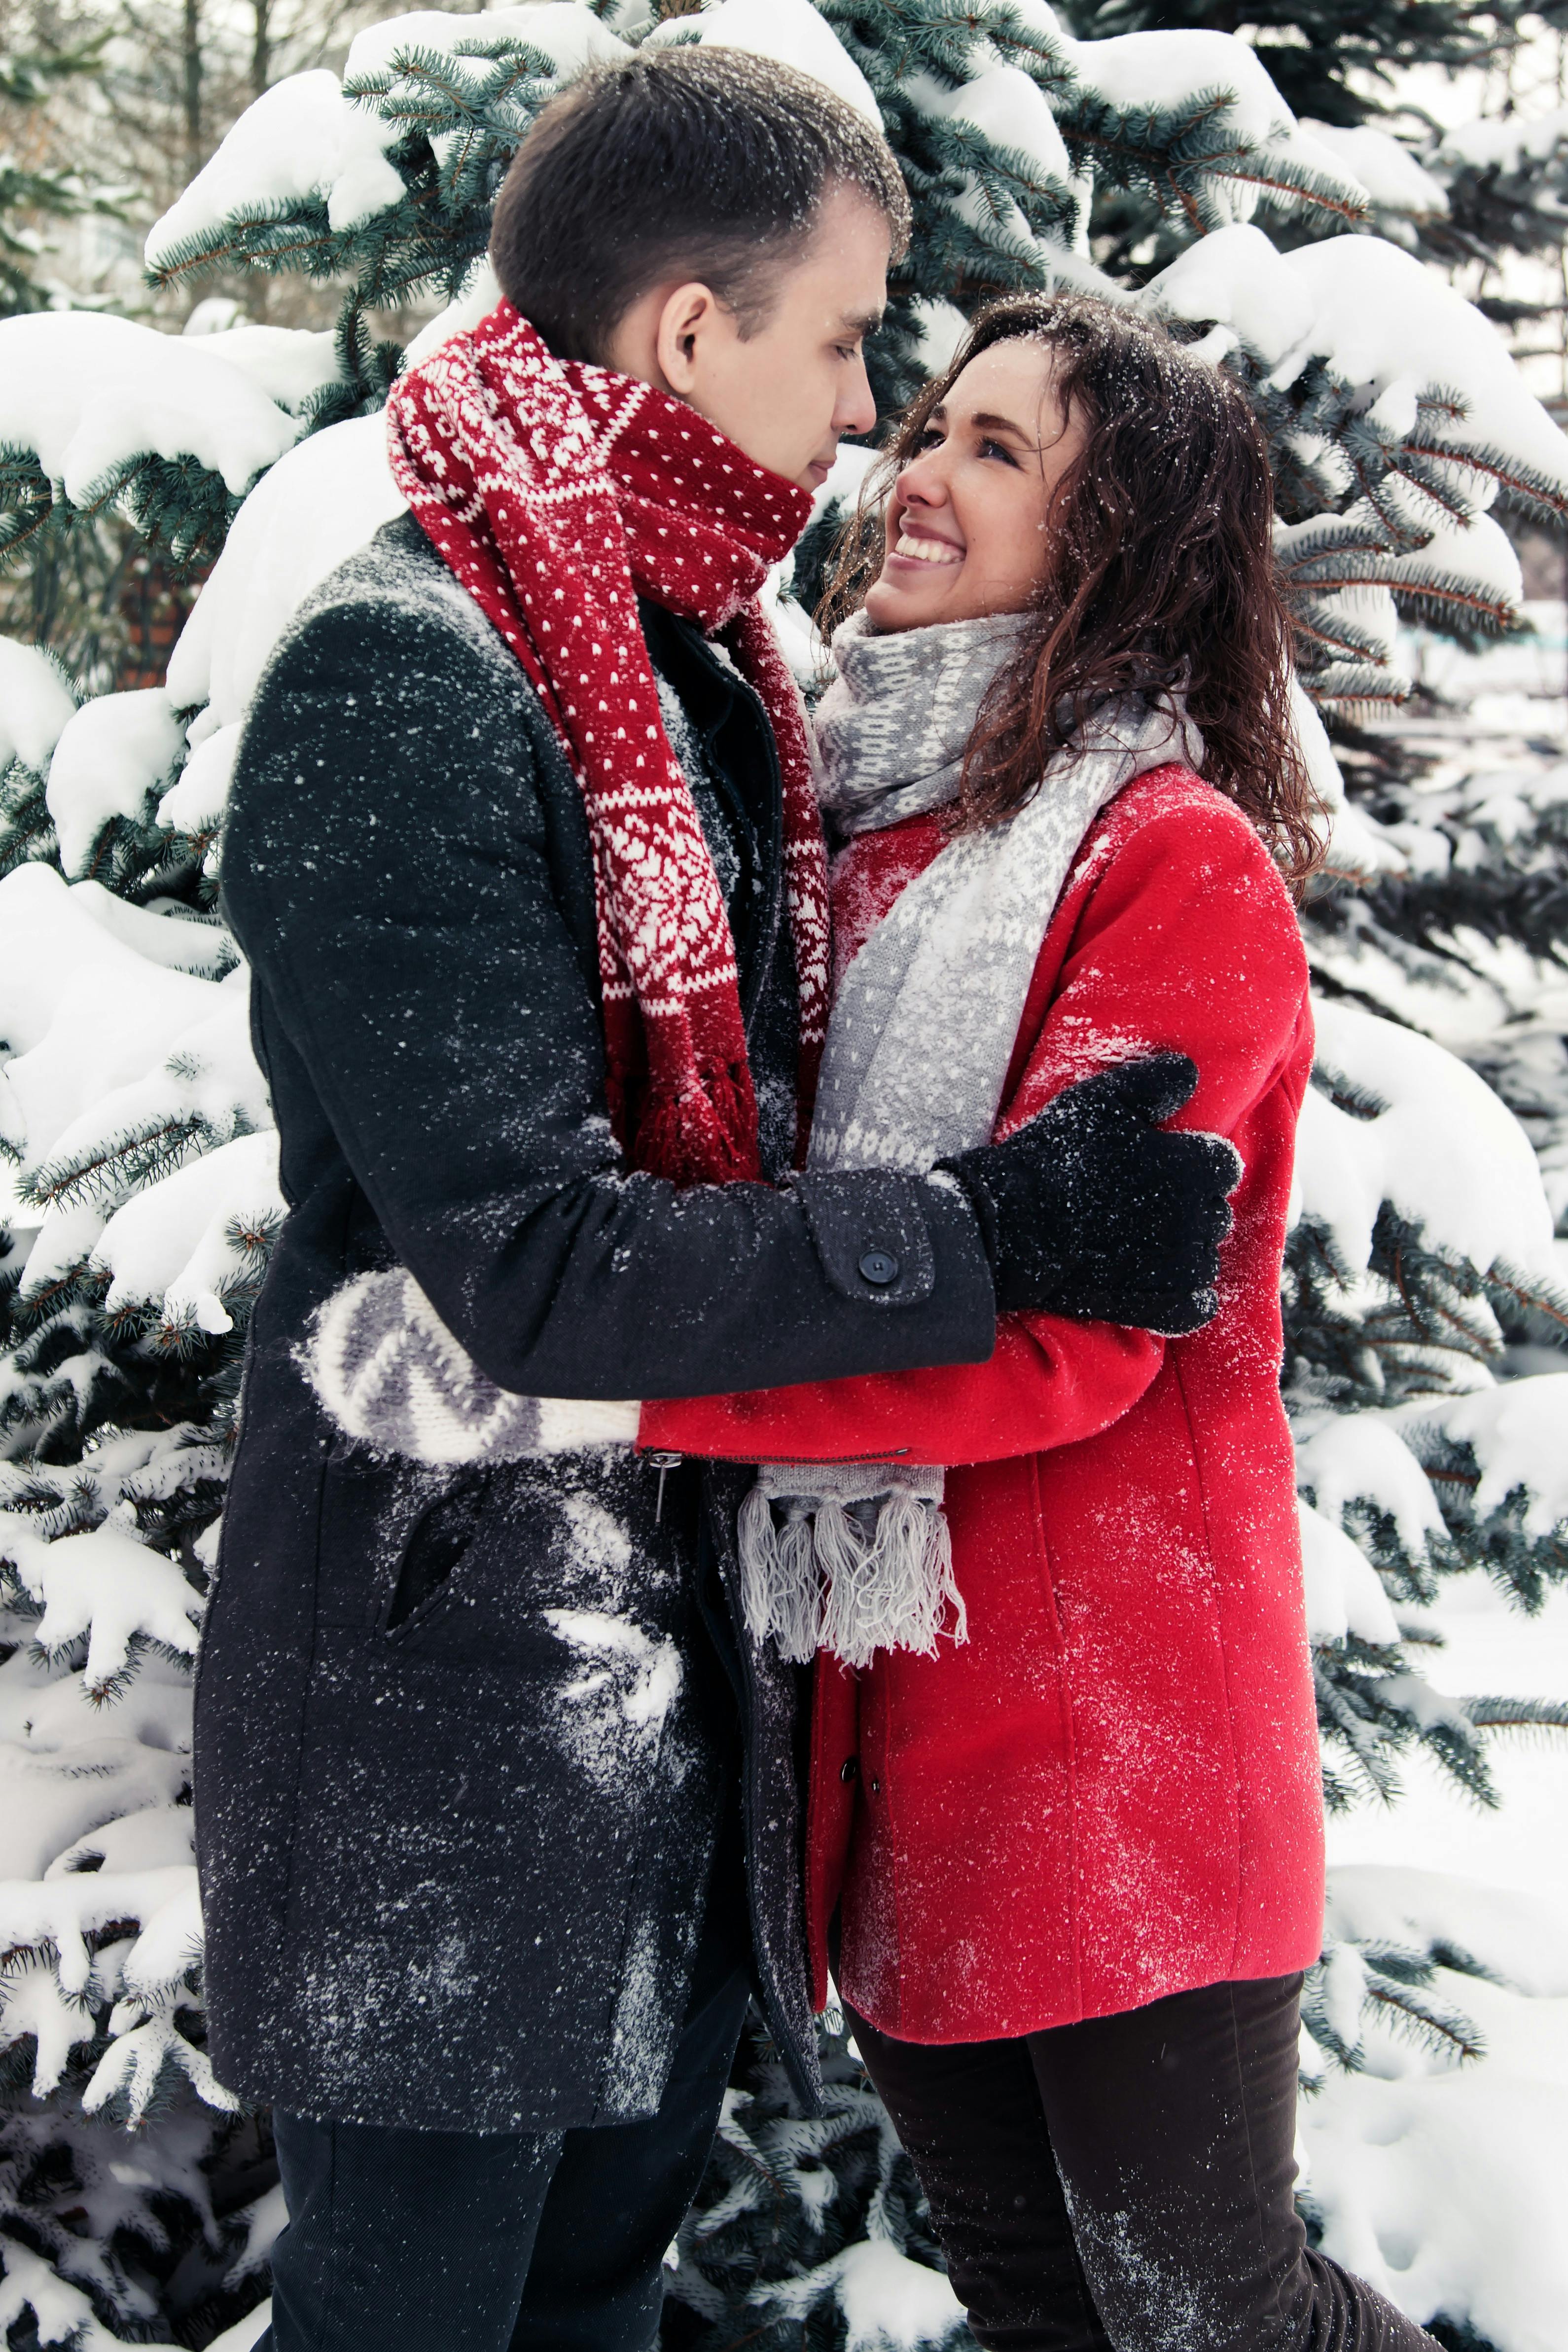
(968, 519)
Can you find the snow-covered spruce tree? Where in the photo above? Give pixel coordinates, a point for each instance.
(141, 1167)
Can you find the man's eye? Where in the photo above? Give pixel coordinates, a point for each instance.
(849, 351)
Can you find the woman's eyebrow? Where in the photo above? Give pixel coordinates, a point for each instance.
(999, 424)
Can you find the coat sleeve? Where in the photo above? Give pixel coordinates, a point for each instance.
(388, 869)
(1187, 942)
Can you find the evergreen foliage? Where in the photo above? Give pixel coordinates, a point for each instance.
(35, 192)
(791, 2208)
(135, 1134)
(1321, 56)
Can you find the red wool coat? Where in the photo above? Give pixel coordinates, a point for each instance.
(1111, 1791)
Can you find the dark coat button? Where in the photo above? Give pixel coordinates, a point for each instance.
(849, 1769)
(879, 1266)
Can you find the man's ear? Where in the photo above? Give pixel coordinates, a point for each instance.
(688, 316)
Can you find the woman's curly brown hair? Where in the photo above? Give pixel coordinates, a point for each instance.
(1163, 572)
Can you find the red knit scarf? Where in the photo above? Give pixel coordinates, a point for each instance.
(557, 493)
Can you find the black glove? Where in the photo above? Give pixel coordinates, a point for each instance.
(1092, 1211)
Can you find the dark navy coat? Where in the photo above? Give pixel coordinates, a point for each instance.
(453, 1866)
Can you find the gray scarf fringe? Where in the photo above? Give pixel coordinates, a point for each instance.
(848, 1557)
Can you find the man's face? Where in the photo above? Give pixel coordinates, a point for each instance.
(787, 393)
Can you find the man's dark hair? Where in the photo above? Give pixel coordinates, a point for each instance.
(681, 163)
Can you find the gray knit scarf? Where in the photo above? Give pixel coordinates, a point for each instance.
(855, 1557)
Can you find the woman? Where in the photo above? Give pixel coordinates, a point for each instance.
(1064, 1814)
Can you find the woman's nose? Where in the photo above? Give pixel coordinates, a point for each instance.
(921, 484)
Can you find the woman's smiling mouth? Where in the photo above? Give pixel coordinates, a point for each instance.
(916, 549)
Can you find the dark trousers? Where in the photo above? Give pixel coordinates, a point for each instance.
(502, 2241)
(1125, 2185)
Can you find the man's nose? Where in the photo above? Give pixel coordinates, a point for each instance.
(857, 409)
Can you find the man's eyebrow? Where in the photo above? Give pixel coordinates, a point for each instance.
(861, 323)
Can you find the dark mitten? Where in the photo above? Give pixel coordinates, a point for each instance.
(1093, 1210)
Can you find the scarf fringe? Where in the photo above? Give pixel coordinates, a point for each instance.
(699, 1134)
(825, 1581)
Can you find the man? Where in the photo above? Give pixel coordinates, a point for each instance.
(495, 1795)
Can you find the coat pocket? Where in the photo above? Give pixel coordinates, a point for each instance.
(435, 1549)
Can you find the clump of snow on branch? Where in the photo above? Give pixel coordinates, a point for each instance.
(1142, 75)
(1504, 141)
(108, 1041)
(181, 1245)
(1515, 1435)
(1394, 181)
(90, 396)
(312, 511)
(300, 141)
(888, 2303)
(1346, 1460)
(33, 2292)
(569, 36)
(113, 754)
(290, 364)
(791, 31)
(1378, 323)
(1345, 1592)
(37, 700)
(107, 1590)
(1436, 2181)
(1439, 1147)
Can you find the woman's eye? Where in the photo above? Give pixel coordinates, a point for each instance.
(989, 448)
(929, 439)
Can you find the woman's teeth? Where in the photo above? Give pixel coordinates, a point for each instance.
(928, 550)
